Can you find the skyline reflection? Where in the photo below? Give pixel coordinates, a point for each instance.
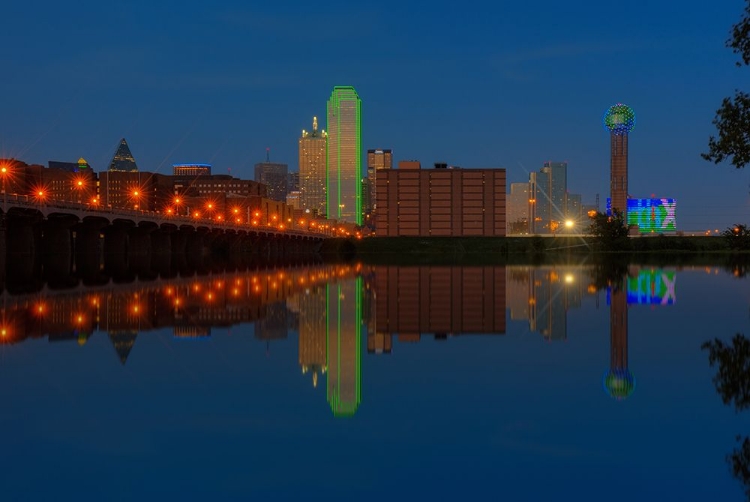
(332, 307)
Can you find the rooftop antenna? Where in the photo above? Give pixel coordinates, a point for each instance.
(315, 125)
(268, 155)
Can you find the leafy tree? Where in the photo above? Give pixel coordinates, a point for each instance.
(732, 119)
(611, 232)
(737, 237)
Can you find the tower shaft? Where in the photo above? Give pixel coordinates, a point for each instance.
(619, 172)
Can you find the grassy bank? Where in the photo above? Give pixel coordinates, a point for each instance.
(535, 249)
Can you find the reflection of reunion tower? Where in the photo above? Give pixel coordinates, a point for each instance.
(618, 381)
(619, 120)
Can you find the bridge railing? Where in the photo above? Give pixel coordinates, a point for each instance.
(78, 208)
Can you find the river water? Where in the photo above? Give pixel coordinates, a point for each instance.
(381, 382)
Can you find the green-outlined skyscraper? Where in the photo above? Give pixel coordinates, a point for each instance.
(343, 346)
(344, 156)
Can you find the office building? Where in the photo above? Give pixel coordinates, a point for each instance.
(312, 169)
(548, 198)
(123, 160)
(191, 169)
(518, 209)
(440, 202)
(344, 157)
(292, 182)
(274, 176)
(376, 160)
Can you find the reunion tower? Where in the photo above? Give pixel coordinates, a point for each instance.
(619, 120)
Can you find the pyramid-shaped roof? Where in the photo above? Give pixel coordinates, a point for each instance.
(123, 342)
(123, 159)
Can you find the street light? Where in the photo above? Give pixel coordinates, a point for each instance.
(4, 174)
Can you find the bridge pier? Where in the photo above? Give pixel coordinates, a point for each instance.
(116, 250)
(57, 249)
(87, 245)
(23, 266)
(161, 251)
(140, 251)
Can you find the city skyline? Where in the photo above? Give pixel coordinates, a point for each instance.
(531, 99)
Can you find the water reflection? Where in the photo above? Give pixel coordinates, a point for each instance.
(332, 307)
(732, 382)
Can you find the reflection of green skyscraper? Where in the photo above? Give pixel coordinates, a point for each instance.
(343, 352)
(344, 156)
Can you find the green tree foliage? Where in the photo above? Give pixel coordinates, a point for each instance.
(737, 237)
(732, 119)
(610, 232)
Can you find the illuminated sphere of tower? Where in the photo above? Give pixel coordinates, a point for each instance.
(619, 383)
(619, 119)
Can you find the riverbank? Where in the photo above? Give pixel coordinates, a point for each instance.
(535, 249)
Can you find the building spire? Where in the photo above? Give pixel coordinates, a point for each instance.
(315, 125)
(268, 155)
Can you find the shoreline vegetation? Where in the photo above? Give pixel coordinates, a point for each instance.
(656, 250)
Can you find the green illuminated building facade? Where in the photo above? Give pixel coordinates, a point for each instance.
(343, 350)
(344, 156)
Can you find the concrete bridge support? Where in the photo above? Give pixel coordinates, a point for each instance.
(88, 251)
(57, 248)
(23, 266)
(161, 251)
(140, 251)
(116, 250)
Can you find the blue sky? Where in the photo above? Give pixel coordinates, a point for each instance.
(475, 84)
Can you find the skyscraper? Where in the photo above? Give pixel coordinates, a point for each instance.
(123, 160)
(548, 189)
(619, 120)
(376, 160)
(344, 156)
(274, 176)
(312, 169)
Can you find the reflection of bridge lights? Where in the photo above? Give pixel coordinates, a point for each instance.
(40, 309)
(136, 309)
(210, 297)
(79, 319)
(3, 331)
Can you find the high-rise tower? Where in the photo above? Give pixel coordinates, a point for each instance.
(344, 157)
(619, 120)
(123, 160)
(274, 175)
(312, 169)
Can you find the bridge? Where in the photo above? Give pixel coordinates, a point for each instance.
(63, 237)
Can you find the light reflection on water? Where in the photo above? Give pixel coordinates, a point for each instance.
(588, 376)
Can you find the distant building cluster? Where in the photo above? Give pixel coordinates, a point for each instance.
(332, 184)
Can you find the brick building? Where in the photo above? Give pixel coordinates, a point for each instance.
(440, 202)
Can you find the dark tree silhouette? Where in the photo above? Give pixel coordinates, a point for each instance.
(732, 119)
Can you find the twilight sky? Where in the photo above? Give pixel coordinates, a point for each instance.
(474, 84)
